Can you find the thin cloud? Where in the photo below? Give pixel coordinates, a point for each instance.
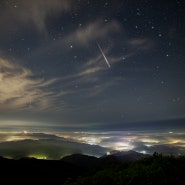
(35, 11)
(19, 90)
(141, 43)
(88, 75)
(93, 31)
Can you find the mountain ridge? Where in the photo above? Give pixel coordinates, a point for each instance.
(48, 148)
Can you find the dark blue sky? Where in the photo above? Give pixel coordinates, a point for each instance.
(52, 72)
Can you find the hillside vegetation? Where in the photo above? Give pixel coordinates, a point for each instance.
(81, 169)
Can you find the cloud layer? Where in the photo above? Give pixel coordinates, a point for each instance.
(162, 142)
(144, 142)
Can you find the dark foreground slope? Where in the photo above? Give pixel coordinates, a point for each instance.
(34, 171)
(86, 170)
(154, 170)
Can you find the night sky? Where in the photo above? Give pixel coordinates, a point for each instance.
(101, 66)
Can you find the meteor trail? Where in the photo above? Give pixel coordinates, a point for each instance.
(103, 55)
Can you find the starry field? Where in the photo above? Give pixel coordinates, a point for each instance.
(99, 72)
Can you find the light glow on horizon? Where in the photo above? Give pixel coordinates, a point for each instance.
(38, 156)
(119, 141)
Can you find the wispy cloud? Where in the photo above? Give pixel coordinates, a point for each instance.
(90, 77)
(93, 31)
(19, 90)
(141, 43)
(35, 11)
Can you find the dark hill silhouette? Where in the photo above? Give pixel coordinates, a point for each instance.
(80, 160)
(156, 169)
(115, 157)
(34, 171)
(126, 156)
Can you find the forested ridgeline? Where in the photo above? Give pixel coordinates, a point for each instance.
(154, 170)
(87, 170)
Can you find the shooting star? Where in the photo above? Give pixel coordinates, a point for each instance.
(107, 62)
